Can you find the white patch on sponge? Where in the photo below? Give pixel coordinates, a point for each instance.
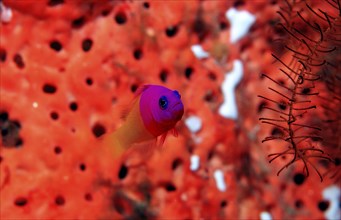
(220, 181)
(5, 13)
(199, 52)
(332, 194)
(195, 162)
(240, 21)
(193, 123)
(265, 216)
(229, 107)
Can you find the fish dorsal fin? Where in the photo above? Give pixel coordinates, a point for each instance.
(140, 90)
(128, 107)
(125, 112)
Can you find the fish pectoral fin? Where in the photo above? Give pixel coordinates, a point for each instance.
(174, 132)
(161, 140)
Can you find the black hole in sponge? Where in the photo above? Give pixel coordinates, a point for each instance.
(120, 18)
(10, 131)
(52, 3)
(223, 25)
(282, 105)
(87, 44)
(54, 115)
(98, 130)
(138, 54)
(277, 132)
(133, 87)
(123, 172)
(209, 96)
(261, 106)
(188, 72)
(4, 132)
(88, 197)
(3, 55)
(171, 31)
(105, 12)
(82, 167)
(19, 61)
(56, 45)
(306, 91)
(20, 201)
(89, 81)
(337, 161)
(78, 23)
(49, 88)
(57, 150)
(223, 204)
(176, 163)
(170, 187)
(299, 204)
(146, 5)
(299, 178)
(73, 106)
(18, 142)
(59, 200)
(323, 205)
(238, 3)
(3, 116)
(163, 75)
(212, 76)
(200, 28)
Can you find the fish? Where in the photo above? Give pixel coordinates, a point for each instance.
(154, 113)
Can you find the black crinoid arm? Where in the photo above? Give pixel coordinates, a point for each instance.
(304, 93)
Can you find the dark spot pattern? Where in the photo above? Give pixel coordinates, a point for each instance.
(57, 150)
(123, 172)
(19, 61)
(171, 31)
(59, 200)
(49, 88)
(3, 55)
(87, 44)
(53, 3)
(121, 18)
(56, 45)
(73, 106)
(299, 178)
(188, 72)
(20, 201)
(163, 75)
(323, 205)
(138, 54)
(78, 23)
(10, 131)
(98, 130)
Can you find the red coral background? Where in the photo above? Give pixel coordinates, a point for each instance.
(68, 69)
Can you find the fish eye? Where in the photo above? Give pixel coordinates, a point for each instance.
(163, 102)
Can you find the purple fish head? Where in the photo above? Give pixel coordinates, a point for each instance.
(160, 108)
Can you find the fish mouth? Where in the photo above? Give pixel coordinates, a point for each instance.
(178, 109)
(178, 104)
